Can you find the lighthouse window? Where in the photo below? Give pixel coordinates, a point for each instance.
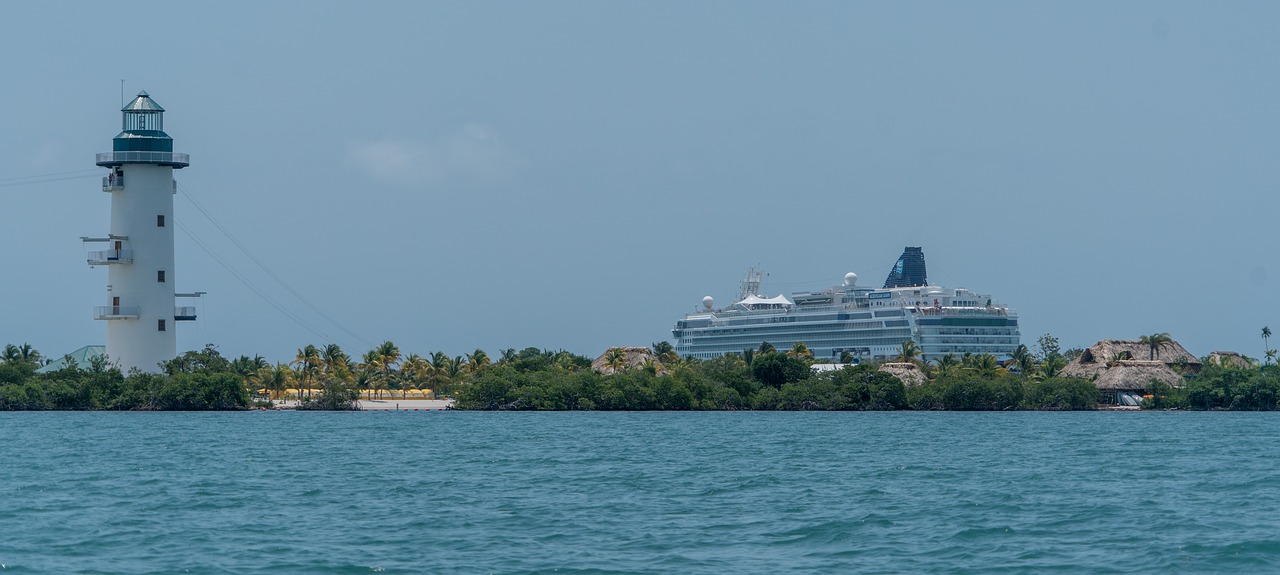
(159, 325)
(160, 276)
(160, 221)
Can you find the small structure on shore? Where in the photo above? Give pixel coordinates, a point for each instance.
(1128, 380)
(1122, 370)
(1229, 359)
(81, 358)
(1095, 360)
(909, 373)
(617, 359)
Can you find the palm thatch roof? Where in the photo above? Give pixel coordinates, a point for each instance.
(1229, 359)
(1135, 375)
(637, 357)
(1094, 361)
(909, 373)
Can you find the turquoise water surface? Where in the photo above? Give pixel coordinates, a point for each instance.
(460, 492)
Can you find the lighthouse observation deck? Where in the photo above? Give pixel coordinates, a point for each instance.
(173, 159)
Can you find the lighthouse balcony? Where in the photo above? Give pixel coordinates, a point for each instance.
(112, 183)
(115, 312)
(174, 159)
(110, 257)
(184, 313)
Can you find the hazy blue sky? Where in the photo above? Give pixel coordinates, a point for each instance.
(579, 174)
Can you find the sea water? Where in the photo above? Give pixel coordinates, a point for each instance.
(461, 492)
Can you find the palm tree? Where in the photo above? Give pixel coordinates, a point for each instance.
(337, 366)
(1052, 365)
(1155, 341)
(615, 359)
(382, 359)
(987, 365)
(477, 360)
(909, 353)
(275, 379)
(416, 370)
(439, 372)
(766, 347)
(23, 354)
(800, 350)
(308, 363)
(456, 368)
(247, 367)
(389, 356)
(665, 352)
(29, 354)
(947, 364)
(1266, 345)
(1271, 356)
(508, 356)
(1025, 360)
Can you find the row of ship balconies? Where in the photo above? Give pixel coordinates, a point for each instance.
(110, 312)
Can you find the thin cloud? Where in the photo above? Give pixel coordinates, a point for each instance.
(472, 152)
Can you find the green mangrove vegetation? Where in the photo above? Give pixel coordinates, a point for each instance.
(765, 378)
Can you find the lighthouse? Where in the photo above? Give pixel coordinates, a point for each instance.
(140, 310)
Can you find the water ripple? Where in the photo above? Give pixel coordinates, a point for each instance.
(582, 493)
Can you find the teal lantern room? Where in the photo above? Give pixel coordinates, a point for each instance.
(142, 139)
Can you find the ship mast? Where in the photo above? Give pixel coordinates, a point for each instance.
(750, 284)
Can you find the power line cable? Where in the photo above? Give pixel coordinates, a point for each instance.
(86, 172)
(32, 182)
(267, 268)
(236, 274)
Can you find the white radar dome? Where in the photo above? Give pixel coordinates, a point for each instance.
(708, 301)
(850, 279)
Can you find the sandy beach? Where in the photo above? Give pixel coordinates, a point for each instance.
(387, 404)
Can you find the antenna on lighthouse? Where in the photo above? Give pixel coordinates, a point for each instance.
(121, 92)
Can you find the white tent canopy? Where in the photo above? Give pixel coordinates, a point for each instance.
(755, 300)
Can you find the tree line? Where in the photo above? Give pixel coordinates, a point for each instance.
(764, 378)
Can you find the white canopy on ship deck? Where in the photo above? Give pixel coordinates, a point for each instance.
(753, 300)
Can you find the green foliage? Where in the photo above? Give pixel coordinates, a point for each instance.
(775, 370)
(334, 396)
(195, 380)
(1228, 387)
(207, 360)
(1067, 393)
(967, 391)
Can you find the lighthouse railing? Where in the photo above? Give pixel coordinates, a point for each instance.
(139, 157)
(112, 183)
(108, 257)
(115, 312)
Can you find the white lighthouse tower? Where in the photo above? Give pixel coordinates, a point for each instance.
(140, 310)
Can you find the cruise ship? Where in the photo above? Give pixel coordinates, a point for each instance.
(855, 323)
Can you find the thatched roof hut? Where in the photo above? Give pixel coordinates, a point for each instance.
(1095, 360)
(1134, 375)
(1229, 359)
(909, 373)
(636, 358)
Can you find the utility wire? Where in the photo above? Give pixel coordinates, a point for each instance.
(236, 274)
(87, 172)
(267, 268)
(33, 180)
